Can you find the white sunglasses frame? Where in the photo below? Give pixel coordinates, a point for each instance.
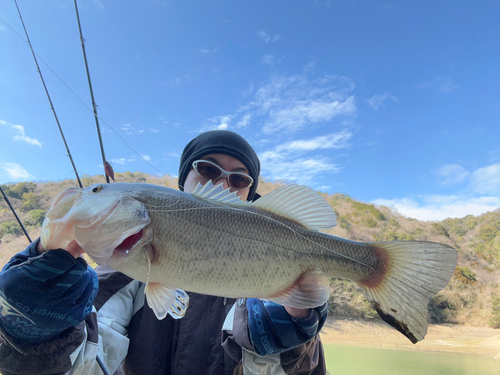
(223, 173)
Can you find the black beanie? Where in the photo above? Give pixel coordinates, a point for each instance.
(220, 142)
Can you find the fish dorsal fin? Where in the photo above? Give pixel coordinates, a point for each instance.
(299, 203)
(217, 193)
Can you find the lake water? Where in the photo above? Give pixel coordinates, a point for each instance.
(352, 360)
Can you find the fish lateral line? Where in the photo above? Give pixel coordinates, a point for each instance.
(224, 206)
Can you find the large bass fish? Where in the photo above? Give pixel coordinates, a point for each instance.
(210, 242)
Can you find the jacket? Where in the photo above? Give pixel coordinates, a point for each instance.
(212, 339)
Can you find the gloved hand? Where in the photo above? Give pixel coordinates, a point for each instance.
(273, 330)
(41, 295)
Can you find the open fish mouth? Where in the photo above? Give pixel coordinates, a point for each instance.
(128, 244)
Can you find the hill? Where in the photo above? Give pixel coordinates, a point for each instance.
(472, 297)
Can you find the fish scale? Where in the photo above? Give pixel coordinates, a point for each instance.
(208, 242)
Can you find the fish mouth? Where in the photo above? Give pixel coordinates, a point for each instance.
(128, 244)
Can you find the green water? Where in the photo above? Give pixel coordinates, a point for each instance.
(352, 360)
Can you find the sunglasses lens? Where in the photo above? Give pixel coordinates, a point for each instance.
(208, 171)
(213, 172)
(239, 181)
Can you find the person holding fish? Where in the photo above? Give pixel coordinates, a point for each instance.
(58, 315)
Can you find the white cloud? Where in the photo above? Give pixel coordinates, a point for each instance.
(245, 121)
(309, 67)
(248, 91)
(119, 161)
(173, 154)
(268, 38)
(122, 161)
(439, 83)
(452, 173)
(21, 135)
(481, 194)
(146, 157)
(128, 129)
(217, 123)
(448, 86)
(377, 101)
(288, 162)
(296, 115)
(300, 170)
(329, 141)
(486, 180)
(181, 80)
(131, 130)
(14, 172)
(293, 102)
(284, 105)
(267, 59)
(432, 208)
(204, 50)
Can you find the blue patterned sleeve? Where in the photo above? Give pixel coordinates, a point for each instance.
(273, 330)
(42, 295)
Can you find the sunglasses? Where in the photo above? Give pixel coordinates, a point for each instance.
(212, 171)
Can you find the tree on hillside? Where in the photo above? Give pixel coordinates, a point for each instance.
(35, 217)
(30, 202)
(17, 191)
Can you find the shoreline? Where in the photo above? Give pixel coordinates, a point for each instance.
(444, 338)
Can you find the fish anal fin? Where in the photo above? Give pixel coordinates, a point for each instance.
(310, 290)
(160, 298)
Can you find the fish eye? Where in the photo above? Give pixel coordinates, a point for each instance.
(97, 189)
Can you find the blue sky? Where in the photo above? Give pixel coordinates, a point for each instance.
(390, 102)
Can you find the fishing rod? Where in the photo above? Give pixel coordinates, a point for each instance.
(85, 105)
(48, 96)
(94, 106)
(15, 214)
(99, 361)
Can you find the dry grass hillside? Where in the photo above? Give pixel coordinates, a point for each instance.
(472, 296)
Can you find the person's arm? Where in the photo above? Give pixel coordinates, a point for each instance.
(47, 322)
(267, 339)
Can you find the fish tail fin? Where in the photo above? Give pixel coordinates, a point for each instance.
(409, 274)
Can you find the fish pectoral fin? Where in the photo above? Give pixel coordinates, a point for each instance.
(160, 298)
(310, 290)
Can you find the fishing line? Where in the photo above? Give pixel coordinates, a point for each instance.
(81, 101)
(94, 106)
(207, 198)
(15, 214)
(48, 95)
(265, 217)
